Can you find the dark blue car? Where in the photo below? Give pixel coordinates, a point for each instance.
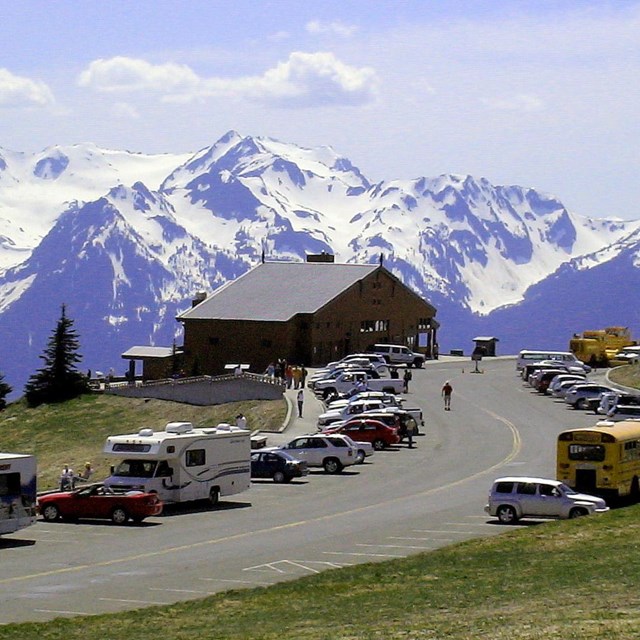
(278, 465)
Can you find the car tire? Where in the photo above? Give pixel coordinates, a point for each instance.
(332, 465)
(578, 512)
(379, 444)
(50, 513)
(279, 477)
(119, 516)
(214, 497)
(582, 403)
(360, 456)
(506, 514)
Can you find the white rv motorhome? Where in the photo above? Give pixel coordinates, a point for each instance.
(182, 463)
(17, 491)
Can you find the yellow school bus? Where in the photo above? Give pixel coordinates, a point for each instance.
(604, 459)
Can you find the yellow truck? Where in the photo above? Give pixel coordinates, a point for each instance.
(598, 347)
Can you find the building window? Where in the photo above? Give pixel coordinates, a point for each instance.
(370, 326)
(214, 340)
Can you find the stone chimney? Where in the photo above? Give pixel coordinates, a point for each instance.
(198, 298)
(321, 257)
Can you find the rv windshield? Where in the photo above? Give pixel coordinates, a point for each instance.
(136, 468)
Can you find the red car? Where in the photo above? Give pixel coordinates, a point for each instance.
(98, 501)
(377, 433)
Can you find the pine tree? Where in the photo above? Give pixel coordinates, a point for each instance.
(58, 380)
(5, 390)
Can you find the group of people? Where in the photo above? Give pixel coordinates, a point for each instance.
(294, 376)
(68, 477)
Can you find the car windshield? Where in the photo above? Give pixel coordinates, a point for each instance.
(566, 489)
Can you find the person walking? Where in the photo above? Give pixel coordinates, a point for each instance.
(411, 431)
(447, 390)
(300, 400)
(406, 379)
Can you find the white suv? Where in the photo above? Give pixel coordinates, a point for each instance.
(516, 497)
(398, 354)
(331, 452)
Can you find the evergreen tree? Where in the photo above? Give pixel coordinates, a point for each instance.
(5, 390)
(58, 380)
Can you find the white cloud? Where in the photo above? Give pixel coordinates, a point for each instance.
(17, 91)
(132, 74)
(312, 79)
(520, 102)
(303, 80)
(317, 27)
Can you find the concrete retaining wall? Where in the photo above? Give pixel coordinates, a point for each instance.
(204, 390)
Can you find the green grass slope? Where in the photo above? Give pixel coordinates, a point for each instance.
(74, 432)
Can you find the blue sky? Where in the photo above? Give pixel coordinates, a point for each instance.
(538, 93)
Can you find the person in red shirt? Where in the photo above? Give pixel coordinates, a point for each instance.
(447, 390)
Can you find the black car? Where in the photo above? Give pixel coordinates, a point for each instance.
(278, 465)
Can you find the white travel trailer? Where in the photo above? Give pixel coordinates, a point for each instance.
(182, 463)
(17, 491)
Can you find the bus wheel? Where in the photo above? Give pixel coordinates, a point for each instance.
(578, 512)
(507, 514)
(214, 497)
(635, 489)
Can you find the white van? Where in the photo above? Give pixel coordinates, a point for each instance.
(398, 354)
(182, 463)
(529, 356)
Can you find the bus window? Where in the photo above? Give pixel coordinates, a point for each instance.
(593, 452)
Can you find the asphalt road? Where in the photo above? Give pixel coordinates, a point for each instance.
(398, 503)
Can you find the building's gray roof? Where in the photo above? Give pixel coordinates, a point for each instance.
(135, 353)
(277, 291)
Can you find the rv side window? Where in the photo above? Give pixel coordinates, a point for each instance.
(195, 458)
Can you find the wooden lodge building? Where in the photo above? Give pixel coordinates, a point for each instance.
(305, 312)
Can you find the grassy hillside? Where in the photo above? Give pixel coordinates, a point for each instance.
(74, 432)
(627, 375)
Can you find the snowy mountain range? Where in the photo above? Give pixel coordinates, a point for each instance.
(125, 240)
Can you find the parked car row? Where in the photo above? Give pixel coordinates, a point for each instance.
(572, 386)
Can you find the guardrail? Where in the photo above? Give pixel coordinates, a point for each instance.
(193, 379)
